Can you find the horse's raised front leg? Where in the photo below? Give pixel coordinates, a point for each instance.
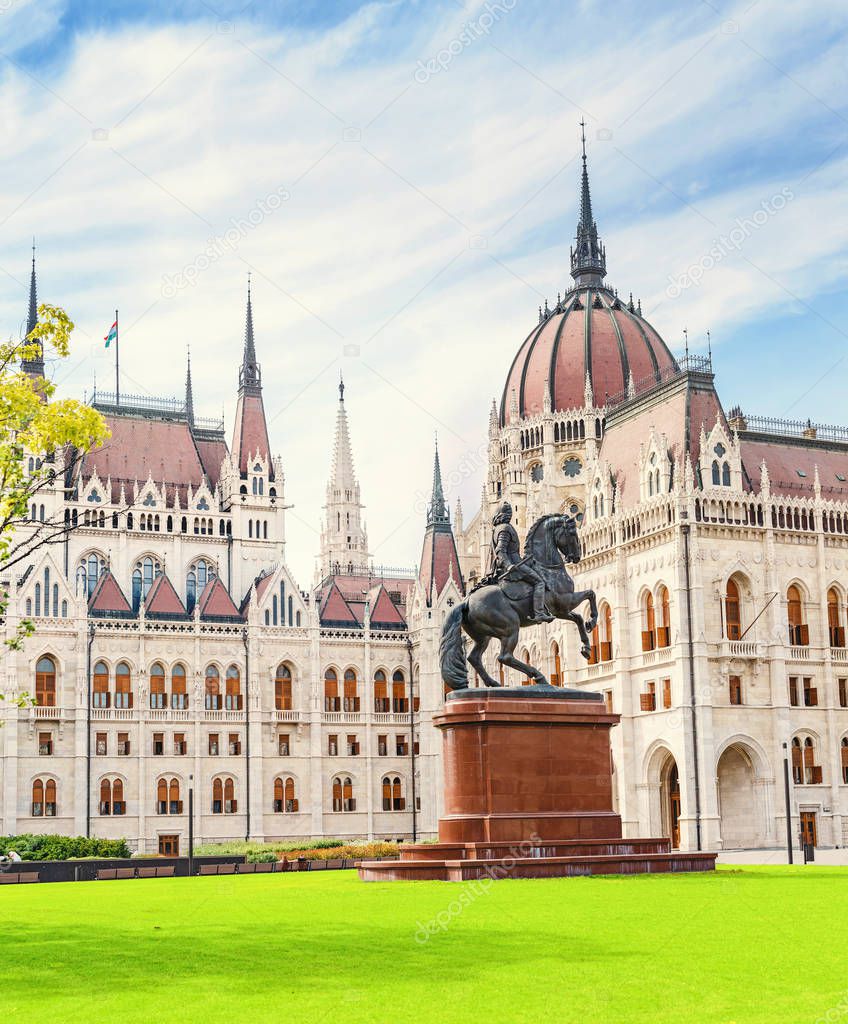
(506, 657)
(475, 659)
(588, 595)
(586, 649)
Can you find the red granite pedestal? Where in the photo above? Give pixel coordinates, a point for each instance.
(528, 794)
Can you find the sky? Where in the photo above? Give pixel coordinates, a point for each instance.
(401, 181)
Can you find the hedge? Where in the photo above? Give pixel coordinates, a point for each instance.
(46, 847)
(311, 849)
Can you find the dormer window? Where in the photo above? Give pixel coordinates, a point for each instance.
(203, 505)
(720, 450)
(94, 496)
(257, 468)
(801, 473)
(149, 501)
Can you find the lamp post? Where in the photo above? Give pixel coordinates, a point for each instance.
(788, 804)
(190, 825)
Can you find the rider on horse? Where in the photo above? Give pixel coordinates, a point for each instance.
(506, 561)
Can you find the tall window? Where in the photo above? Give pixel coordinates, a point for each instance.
(45, 682)
(732, 611)
(112, 797)
(223, 796)
(649, 623)
(400, 704)
(179, 694)
(157, 685)
(233, 695)
(283, 688)
(844, 754)
(381, 692)
(392, 794)
(44, 798)
(664, 627)
(90, 570)
(100, 686)
(123, 686)
(799, 634)
(285, 801)
(144, 573)
(606, 632)
(213, 689)
(343, 799)
(351, 696)
(556, 662)
(805, 771)
(332, 701)
(835, 629)
(198, 575)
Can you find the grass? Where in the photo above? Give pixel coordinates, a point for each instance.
(742, 945)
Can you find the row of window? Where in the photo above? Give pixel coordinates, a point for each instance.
(223, 796)
(148, 522)
(798, 629)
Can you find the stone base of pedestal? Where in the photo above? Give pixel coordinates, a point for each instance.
(528, 794)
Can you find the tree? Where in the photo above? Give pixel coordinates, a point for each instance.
(54, 434)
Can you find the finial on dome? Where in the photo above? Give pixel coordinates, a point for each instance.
(588, 257)
(341, 386)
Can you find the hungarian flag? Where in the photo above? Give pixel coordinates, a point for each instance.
(113, 333)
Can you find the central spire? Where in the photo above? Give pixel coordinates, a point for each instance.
(33, 366)
(588, 257)
(250, 374)
(437, 510)
(189, 396)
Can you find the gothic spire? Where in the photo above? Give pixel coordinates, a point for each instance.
(36, 365)
(588, 257)
(189, 395)
(342, 476)
(250, 374)
(437, 510)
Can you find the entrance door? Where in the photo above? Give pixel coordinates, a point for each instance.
(809, 832)
(169, 846)
(674, 806)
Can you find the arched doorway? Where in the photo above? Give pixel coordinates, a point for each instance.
(737, 807)
(670, 795)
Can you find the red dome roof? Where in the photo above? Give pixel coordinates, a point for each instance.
(590, 332)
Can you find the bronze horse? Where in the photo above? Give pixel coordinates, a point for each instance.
(499, 609)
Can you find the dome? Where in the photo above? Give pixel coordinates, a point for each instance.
(590, 334)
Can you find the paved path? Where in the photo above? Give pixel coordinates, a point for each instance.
(779, 856)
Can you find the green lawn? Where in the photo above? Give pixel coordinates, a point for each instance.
(749, 945)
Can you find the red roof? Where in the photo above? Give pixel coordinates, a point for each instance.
(383, 610)
(610, 344)
(250, 432)
(787, 459)
(107, 596)
(215, 601)
(335, 610)
(163, 600)
(439, 561)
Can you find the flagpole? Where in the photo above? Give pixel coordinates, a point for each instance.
(117, 377)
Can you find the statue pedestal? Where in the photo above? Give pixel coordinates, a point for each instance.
(528, 793)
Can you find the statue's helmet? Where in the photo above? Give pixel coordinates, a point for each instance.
(503, 514)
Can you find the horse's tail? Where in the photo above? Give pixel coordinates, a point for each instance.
(452, 650)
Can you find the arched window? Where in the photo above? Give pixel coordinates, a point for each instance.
(343, 799)
(664, 628)
(725, 475)
(351, 696)
(393, 794)
(805, 771)
(158, 697)
(233, 684)
(213, 689)
(732, 611)
(400, 704)
(175, 805)
(162, 796)
(332, 701)
(716, 473)
(285, 801)
(799, 633)
(100, 686)
(230, 805)
(179, 694)
(556, 662)
(381, 692)
(606, 633)
(45, 682)
(105, 796)
(283, 688)
(649, 625)
(844, 753)
(199, 574)
(217, 796)
(835, 629)
(112, 797)
(43, 798)
(123, 686)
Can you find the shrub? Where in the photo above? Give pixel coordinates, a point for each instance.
(47, 847)
(310, 849)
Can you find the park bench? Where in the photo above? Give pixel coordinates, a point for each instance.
(264, 866)
(106, 874)
(124, 872)
(28, 876)
(246, 869)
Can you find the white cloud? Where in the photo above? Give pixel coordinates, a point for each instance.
(373, 246)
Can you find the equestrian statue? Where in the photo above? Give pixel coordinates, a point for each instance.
(517, 591)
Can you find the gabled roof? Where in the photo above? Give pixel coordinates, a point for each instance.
(384, 612)
(335, 611)
(163, 601)
(107, 599)
(215, 602)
